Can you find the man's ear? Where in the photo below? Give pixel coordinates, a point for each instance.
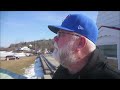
(82, 42)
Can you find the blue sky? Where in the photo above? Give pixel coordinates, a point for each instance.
(24, 26)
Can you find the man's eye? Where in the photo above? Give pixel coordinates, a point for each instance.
(62, 34)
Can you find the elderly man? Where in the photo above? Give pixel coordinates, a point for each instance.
(76, 51)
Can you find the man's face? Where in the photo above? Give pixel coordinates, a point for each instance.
(64, 49)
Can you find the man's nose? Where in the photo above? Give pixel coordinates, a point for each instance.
(55, 39)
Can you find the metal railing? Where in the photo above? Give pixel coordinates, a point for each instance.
(51, 67)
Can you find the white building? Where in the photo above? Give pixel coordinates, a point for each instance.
(46, 51)
(25, 48)
(109, 39)
(30, 45)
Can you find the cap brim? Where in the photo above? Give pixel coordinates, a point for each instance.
(55, 29)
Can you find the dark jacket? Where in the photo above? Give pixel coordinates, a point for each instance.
(96, 68)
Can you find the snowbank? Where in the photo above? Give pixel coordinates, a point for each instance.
(3, 54)
(34, 71)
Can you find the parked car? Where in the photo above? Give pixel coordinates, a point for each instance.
(11, 57)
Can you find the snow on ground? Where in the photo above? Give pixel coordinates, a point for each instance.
(34, 71)
(5, 53)
(29, 72)
(38, 68)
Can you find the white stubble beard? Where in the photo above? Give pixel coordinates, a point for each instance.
(64, 55)
(55, 53)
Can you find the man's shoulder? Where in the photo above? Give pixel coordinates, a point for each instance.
(99, 68)
(114, 73)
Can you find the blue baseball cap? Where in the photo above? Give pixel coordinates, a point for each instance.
(80, 24)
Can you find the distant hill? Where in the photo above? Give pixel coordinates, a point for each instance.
(35, 45)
